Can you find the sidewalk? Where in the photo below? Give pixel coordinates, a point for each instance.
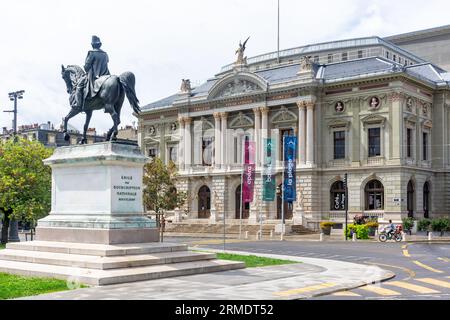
(310, 278)
(309, 237)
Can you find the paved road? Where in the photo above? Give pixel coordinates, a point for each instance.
(422, 270)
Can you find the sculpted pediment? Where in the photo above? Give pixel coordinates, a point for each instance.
(241, 121)
(236, 85)
(284, 115)
(373, 119)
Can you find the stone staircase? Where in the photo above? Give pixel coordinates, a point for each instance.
(202, 227)
(95, 264)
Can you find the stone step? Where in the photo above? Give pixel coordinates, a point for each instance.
(102, 262)
(106, 277)
(97, 249)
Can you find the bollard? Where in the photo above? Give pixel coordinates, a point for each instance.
(258, 235)
(430, 236)
(403, 236)
(354, 237)
(271, 234)
(321, 237)
(246, 235)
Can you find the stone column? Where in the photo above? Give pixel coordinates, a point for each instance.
(217, 140)
(257, 136)
(302, 132)
(264, 135)
(188, 143)
(181, 144)
(310, 133)
(224, 153)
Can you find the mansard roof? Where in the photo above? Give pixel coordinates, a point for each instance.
(328, 73)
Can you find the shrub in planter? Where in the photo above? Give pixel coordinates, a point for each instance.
(362, 231)
(373, 226)
(326, 226)
(440, 225)
(408, 224)
(424, 225)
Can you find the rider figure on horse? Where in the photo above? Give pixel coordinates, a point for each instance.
(96, 65)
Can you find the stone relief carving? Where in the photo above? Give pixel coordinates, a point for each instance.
(241, 121)
(409, 104)
(339, 107)
(284, 115)
(237, 87)
(152, 130)
(374, 103)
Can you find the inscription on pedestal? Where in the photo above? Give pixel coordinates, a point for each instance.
(127, 191)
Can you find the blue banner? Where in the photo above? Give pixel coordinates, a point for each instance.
(290, 151)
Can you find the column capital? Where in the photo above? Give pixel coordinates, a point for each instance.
(264, 110)
(187, 120)
(224, 115)
(256, 111)
(301, 104)
(181, 120)
(310, 105)
(217, 115)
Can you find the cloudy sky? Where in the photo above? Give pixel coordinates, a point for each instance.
(162, 42)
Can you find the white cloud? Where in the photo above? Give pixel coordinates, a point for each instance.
(164, 41)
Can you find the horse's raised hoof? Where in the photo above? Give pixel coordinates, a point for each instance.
(66, 136)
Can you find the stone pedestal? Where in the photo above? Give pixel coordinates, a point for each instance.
(97, 196)
(97, 232)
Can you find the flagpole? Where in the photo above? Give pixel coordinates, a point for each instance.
(242, 189)
(282, 191)
(278, 34)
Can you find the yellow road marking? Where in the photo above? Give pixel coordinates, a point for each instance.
(412, 287)
(406, 253)
(346, 294)
(420, 264)
(381, 291)
(444, 259)
(435, 282)
(410, 272)
(305, 289)
(405, 246)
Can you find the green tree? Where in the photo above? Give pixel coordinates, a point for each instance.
(159, 187)
(25, 182)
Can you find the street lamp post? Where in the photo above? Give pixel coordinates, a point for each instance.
(14, 225)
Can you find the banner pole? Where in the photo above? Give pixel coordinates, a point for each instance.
(242, 189)
(282, 191)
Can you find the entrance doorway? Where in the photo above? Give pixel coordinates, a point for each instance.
(288, 206)
(426, 200)
(410, 199)
(204, 203)
(245, 209)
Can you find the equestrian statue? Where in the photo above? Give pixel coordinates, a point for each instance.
(95, 89)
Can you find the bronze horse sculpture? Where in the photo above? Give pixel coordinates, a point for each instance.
(109, 97)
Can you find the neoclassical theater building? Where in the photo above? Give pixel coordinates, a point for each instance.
(365, 107)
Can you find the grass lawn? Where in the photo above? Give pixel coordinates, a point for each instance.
(12, 286)
(2, 246)
(254, 261)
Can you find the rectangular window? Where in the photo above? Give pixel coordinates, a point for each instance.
(316, 59)
(374, 142)
(360, 54)
(330, 58)
(153, 152)
(395, 57)
(409, 143)
(344, 56)
(339, 145)
(425, 145)
(173, 154)
(387, 55)
(207, 144)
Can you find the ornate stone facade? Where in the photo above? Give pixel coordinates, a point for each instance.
(377, 127)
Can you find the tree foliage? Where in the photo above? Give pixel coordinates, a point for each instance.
(159, 187)
(25, 182)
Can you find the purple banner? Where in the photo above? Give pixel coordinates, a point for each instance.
(248, 181)
(249, 152)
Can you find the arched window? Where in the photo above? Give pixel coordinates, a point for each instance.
(374, 195)
(337, 196)
(426, 200)
(204, 203)
(410, 199)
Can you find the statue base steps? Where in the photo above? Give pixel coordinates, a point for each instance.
(99, 264)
